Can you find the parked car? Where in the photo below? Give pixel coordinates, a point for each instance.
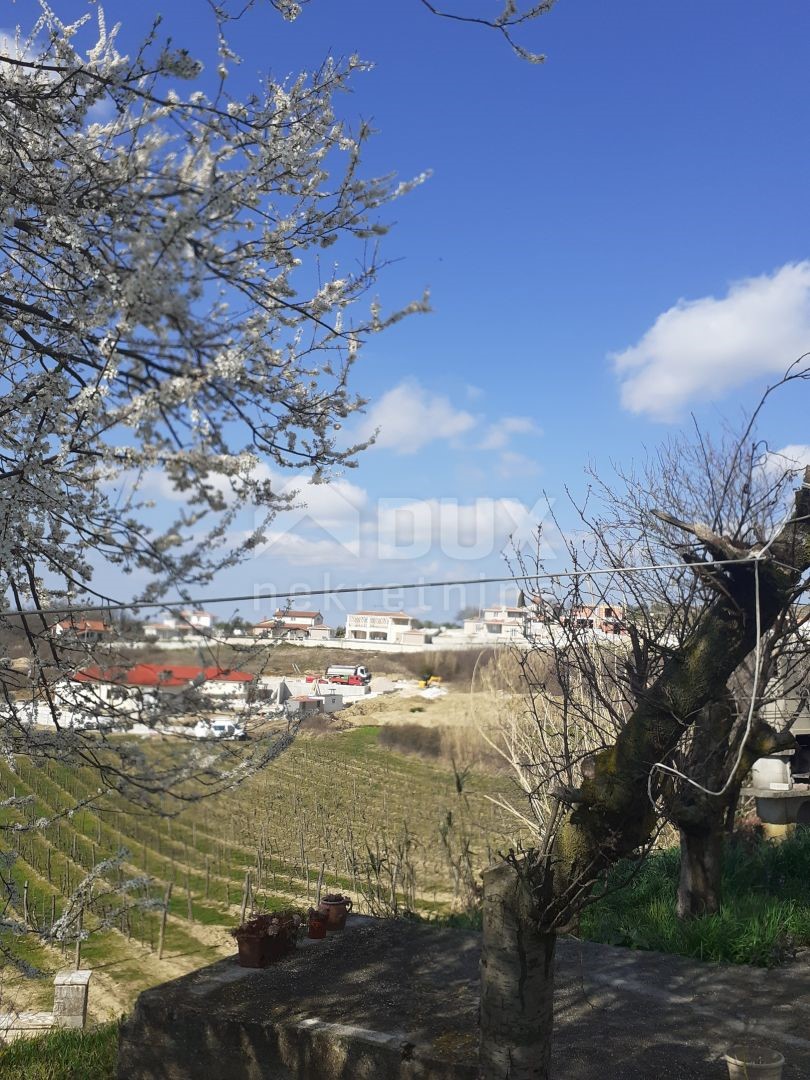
(228, 729)
(218, 729)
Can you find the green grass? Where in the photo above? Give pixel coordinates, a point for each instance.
(63, 1055)
(765, 913)
(358, 740)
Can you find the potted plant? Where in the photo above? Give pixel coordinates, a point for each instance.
(316, 926)
(283, 930)
(754, 1063)
(266, 936)
(252, 941)
(336, 907)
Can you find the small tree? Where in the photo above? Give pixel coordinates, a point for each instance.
(742, 494)
(596, 763)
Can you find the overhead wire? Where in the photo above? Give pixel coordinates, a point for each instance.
(342, 590)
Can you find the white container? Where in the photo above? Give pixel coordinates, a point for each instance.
(754, 1063)
(772, 773)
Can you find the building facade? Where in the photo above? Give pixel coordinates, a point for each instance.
(379, 626)
(294, 626)
(186, 624)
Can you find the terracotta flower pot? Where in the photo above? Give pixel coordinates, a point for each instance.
(316, 927)
(336, 907)
(252, 951)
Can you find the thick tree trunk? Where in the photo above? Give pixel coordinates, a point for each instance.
(699, 888)
(517, 982)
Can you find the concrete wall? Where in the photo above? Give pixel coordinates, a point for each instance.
(71, 989)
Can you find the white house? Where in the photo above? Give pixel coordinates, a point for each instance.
(182, 625)
(79, 629)
(378, 626)
(146, 685)
(294, 626)
(499, 623)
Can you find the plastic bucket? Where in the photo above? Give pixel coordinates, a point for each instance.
(754, 1063)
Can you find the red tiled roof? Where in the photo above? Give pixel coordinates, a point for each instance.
(159, 675)
(84, 626)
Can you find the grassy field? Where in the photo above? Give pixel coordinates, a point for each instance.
(392, 829)
(764, 918)
(63, 1055)
(457, 667)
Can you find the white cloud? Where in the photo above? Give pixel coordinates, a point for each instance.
(329, 506)
(511, 464)
(297, 550)
(700, 349)
(792, 458)
(466, 531)
(499, 434)
(410, 416)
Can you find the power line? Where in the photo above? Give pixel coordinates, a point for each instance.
(346, 589)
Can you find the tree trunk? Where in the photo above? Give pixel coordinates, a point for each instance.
(517, 982)
(699, 888)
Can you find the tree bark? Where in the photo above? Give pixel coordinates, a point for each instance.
(517, 981)
(701, 818)
(699, 886)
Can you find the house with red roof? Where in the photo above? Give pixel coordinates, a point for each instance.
(292, 625)
(144, 685)
(77, 628)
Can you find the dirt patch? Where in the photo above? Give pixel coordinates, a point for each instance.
(456, 708)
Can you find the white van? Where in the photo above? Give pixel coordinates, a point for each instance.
(227, 729)
(219, 729)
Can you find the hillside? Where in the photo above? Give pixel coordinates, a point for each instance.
(392, 830)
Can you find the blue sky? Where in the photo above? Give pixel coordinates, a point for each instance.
(640, 196)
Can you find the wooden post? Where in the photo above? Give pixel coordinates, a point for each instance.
(25, 903)
(245, 892)
(189, 903)
(53, 908)
(78, 959)
(163, 916)
(320, 885)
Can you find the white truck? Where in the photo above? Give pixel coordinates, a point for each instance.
(346, 674)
